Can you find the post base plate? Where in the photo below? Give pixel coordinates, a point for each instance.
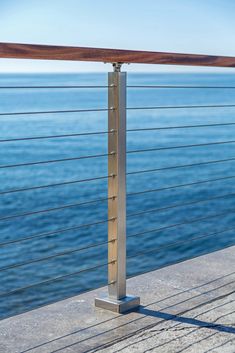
(119, 306)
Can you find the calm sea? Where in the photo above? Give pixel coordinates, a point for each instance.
(159, 228)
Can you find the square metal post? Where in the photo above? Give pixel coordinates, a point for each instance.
(117, 299)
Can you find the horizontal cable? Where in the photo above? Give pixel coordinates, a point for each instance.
(62, 230)
(56, 136)
(105, 199)
(53, 185)
(180, 127)
(106, 86)
(54, 209)
(57, 111)
(51, 280)
(181, 146)
(159, 209)
(54, 161)
(181, 242)
(181, 185)
(180, 86)
(51, 87)
(104, 177)
(107, 109)
(194, 220)
(183, 107)
(181, 166)
(66, 252)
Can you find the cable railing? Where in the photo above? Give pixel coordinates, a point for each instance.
(18, 165)
(70, 251)
(183, 107)
(59, 231)
(56, 136)
(179, 186)
(54, 209)
(55, 112)
(58, 278)
(52, 87)
(116, 212)
(180, 87)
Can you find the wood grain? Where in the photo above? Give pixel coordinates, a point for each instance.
(50, 52)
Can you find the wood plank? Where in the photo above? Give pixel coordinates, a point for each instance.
(50, 52)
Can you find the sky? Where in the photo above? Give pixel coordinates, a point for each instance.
(187, 26)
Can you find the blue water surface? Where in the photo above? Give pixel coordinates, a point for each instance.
(158, 229)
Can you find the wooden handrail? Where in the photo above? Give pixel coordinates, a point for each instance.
(51, 52)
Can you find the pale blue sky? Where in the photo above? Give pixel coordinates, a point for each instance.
(190, 26)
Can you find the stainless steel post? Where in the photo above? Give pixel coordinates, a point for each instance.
(117, 299)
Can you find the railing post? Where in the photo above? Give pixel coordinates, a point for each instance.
(117, 299)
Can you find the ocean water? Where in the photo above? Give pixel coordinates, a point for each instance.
(159, 229)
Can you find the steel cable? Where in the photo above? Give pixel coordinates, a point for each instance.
(199, 219)
(56, 136)
(54, 209)
(180, 242)
(180, 185)
(62, 230)
(54, 279)
(56, 112)
(54, 161)
(66, 252)
(179, 205)
(181, 127)
(53, 185)
(183, 107)
(181, 146)
(180, 86)
(181, 166)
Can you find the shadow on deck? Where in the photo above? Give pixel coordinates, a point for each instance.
(187, 307)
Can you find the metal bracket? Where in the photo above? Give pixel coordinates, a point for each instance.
(117, 67)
